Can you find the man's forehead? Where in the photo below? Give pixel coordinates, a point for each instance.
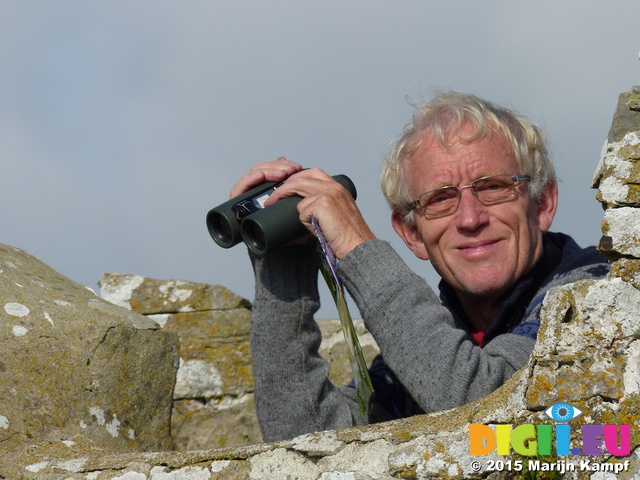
(449, 136)
(429, 146)
(435, 164)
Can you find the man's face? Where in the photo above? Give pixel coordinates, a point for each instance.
(479, 250)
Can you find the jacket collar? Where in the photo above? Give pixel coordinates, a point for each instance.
(556, 248)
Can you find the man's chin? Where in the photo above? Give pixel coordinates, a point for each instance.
(484, 288)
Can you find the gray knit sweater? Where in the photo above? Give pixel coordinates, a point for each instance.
(429, 355)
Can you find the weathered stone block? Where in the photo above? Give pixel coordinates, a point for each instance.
(150, 296)
(220, 338)
(634, 98)
(617, 176)
(621, 233)
(583, 349)
(213, 398)
(74, 365)
(625, 119)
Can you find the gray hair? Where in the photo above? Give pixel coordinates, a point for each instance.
(444, 116)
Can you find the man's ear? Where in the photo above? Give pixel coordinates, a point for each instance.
(410, 234)
(547, 206)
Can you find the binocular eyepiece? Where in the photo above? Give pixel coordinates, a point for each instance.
(244, 218)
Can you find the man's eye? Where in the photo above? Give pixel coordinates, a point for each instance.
(440, 199)
(562, 412)
(444, 196)
(492, 185)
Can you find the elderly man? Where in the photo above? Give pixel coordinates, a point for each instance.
(472, 189)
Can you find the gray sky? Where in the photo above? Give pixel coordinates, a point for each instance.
(123, 122)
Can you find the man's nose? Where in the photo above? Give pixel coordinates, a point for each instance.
(471, 212)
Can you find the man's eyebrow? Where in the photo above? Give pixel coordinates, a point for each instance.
(436, 184)
(476, 177)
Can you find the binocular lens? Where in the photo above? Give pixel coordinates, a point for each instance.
(254, 237)
(220, 228)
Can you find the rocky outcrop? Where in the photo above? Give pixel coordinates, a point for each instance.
(588, 354)
(76, 368)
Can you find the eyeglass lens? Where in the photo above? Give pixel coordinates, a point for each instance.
(488, 191)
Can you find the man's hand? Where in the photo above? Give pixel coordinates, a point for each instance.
(265, 172)
(332, 205)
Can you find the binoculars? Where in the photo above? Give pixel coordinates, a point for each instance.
(244, 218)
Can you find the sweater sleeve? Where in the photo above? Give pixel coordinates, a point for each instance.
(433, 359)
(292, 392)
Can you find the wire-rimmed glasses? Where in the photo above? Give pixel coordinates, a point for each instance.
(488, 190)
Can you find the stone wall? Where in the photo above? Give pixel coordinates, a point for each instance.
(213, 399)
(588, 354)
